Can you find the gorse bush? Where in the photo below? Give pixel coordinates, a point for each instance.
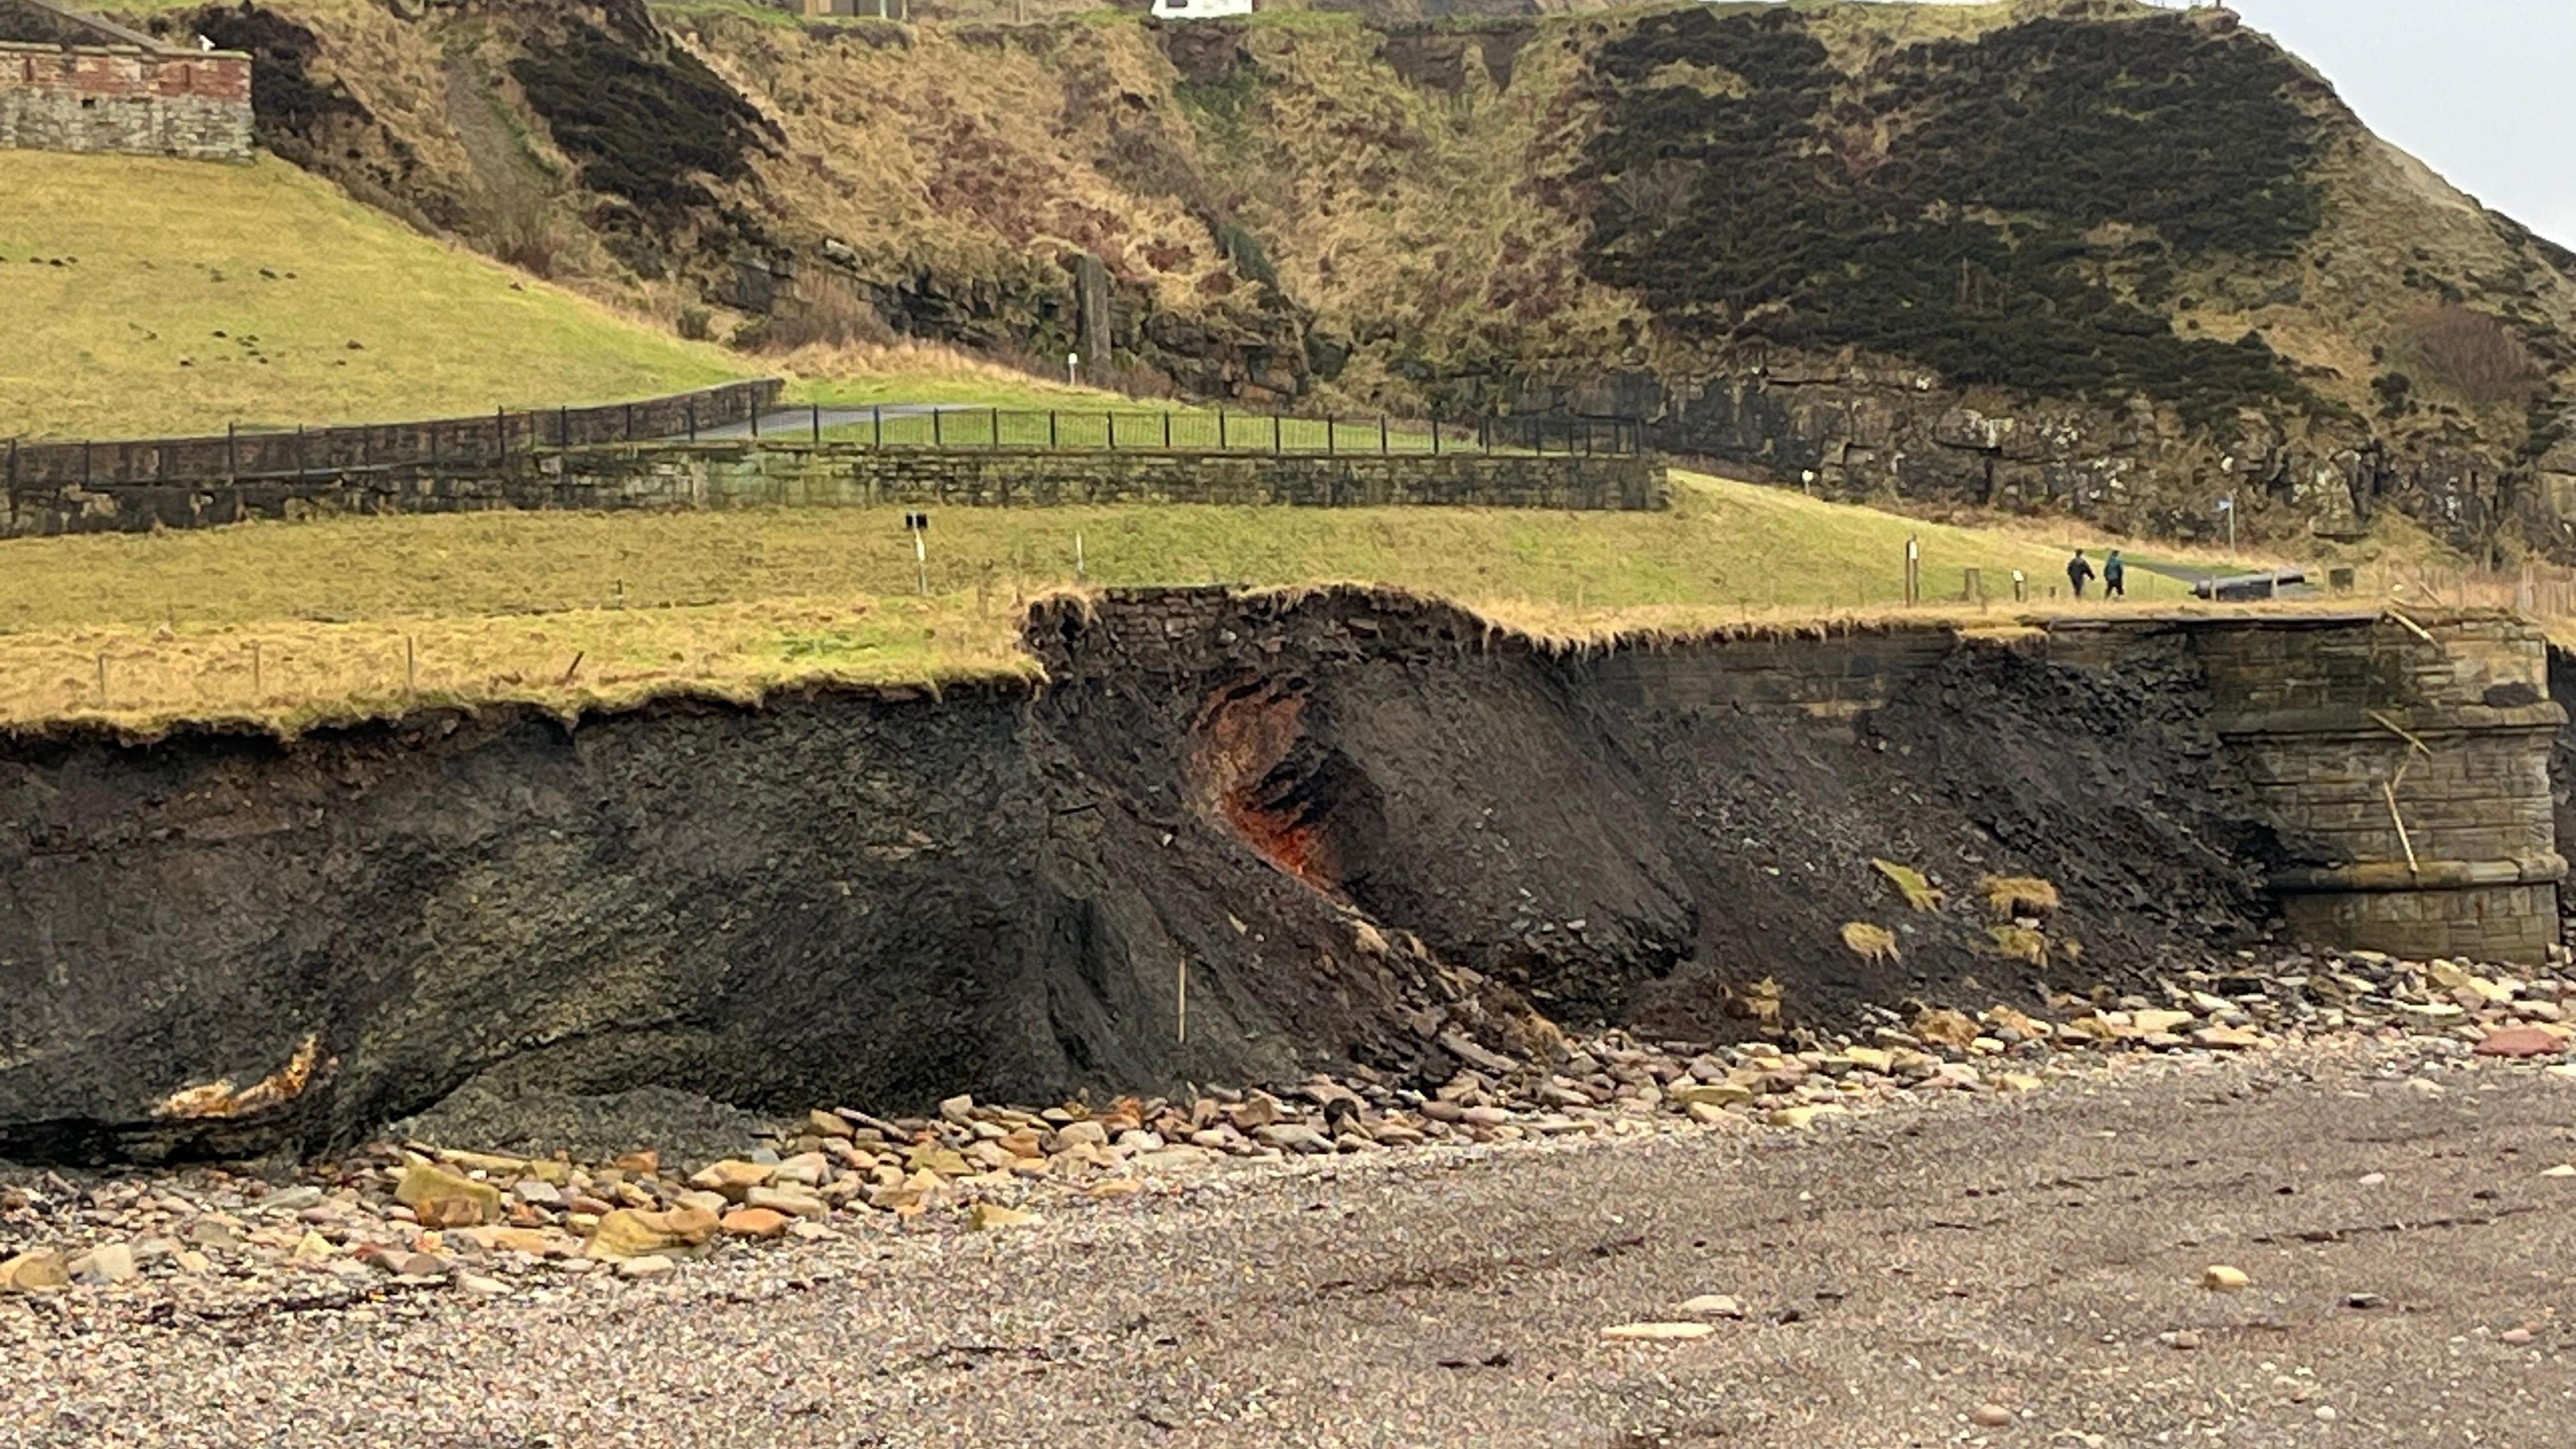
(1943, 205)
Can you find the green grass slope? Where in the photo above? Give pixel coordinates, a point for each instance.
(148, 297)
(287, 624)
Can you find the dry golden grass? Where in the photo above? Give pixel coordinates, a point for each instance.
(2015, 897)
(2019, 943)
(290, 675)
(493, 607)
(1868, 942)
(1919, 893)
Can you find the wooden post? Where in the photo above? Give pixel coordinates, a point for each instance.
(818, 424)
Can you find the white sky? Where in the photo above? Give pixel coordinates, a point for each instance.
(2480, 90)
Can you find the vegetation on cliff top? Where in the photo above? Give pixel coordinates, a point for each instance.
(1966, 203)
(149, 297)
(287, 625)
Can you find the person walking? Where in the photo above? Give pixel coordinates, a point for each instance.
(2115, 576)
(2079, 572)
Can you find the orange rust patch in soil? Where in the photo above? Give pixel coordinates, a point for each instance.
(1246, 758)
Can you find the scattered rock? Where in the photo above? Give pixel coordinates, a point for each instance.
(107, 1263)
(442, 1199)
(630, 1233)
(755, 1222)
(41, 1271)
(1990, 1416)
(1656, 1332)
(1711, 1305)
(985, 1217)
(2521, 1042)
(2219, 1278)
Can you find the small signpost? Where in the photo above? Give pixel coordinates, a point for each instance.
(918, 525)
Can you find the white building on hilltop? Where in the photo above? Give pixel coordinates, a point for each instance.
(1200, 9)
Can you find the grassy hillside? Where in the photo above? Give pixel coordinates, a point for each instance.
(149, 297)
(287, 624)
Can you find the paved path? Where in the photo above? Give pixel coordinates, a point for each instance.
(2039, 1253)
(799, 422)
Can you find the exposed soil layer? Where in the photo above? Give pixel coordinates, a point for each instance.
(1342, 827)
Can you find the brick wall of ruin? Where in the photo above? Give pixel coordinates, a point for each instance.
(125, 100)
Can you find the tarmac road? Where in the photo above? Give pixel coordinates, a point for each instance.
(2038, 1253)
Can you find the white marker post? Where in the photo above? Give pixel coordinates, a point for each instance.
(1073, 369)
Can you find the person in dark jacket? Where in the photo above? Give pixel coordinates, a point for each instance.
(2079, 572)
(2115, 576)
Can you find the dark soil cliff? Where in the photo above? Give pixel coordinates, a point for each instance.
(1360, 826)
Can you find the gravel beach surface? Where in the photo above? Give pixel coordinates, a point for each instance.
(2035, 1268)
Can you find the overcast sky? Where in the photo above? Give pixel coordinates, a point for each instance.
(2479, 89)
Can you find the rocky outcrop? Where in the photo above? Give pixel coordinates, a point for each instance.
(1867, 433)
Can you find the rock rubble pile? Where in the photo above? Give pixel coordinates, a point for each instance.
(420, 1216)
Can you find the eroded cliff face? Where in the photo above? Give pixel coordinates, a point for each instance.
(1356, 831)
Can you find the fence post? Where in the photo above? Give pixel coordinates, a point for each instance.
(876, 415)
(1220, 428)
(87, 473)
(997, 428)
(1381, 435)
(563, 426)
(302, 466)
(630, 422)
(1332, 441)
(232, 455)
(693, 420)
(755, 425)
(1050, 430)
(937, 429)
(818, 424)
(1276, 447)
(1167, 430)
(1435, 432)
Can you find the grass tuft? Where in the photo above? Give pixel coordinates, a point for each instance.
(1868, 942)
(1919, 892)
(2018, 897)
(2019, 943)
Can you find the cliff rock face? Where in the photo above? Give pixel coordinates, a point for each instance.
(2079, 254)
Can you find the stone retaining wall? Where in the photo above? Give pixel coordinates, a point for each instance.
(771, 474)
(2411, 768)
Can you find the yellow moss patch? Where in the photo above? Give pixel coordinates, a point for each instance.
(1919, 892)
